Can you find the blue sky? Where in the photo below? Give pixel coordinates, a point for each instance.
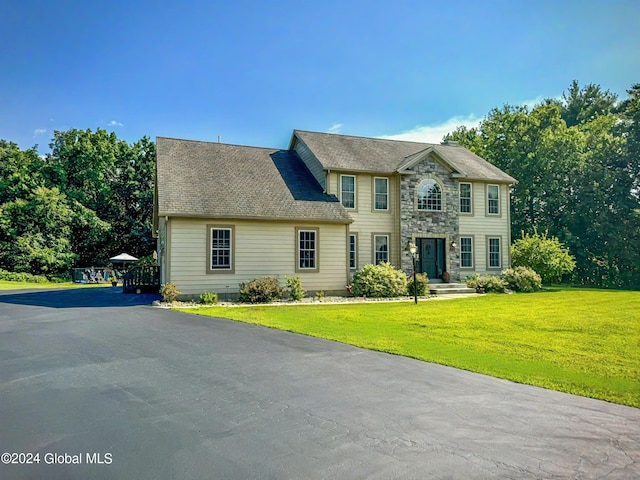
(252, 71)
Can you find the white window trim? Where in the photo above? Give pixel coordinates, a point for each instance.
(375, 193)
(231, 268)
(316, 250)
(470, 198)
(489, 266)
(499, 212)
(472, 266)
(374, 236)
(355, 252)
(355, 191)
(442, 199)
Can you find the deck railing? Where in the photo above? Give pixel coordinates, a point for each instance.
(142, 279)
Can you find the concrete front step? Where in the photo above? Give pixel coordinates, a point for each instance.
(449, 289)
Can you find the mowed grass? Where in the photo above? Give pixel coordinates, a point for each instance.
(585, 342)
(6, 285)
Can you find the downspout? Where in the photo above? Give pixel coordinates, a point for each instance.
(398, 222)
(167, 247)
(348, 245)
(509, 226)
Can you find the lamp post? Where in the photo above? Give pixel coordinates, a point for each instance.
(413, 249)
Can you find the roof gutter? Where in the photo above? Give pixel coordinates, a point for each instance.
(338, 221)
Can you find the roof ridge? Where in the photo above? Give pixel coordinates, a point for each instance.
(220, 143)
(365, 138)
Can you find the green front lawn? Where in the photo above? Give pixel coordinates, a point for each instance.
(6, 285)
(585, 342)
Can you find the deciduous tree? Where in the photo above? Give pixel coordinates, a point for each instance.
(545, 255)
(35, 232)
(577, 161)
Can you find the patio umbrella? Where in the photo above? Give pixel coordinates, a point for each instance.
(123, 258)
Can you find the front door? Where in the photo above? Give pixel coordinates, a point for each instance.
(432, 257)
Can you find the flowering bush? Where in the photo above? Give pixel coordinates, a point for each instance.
(381, 280)
(169, 292)
(522, 279)
(488, 283)
(261, 290)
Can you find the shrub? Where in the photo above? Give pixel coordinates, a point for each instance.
(320, 295)
(208, 298)
(60, 278)
(421, 284)
(148, 260)
(261, 290)
(169, 292)
(489, 283)
(522, 279)
(546, 256)
(381, 280)
(296, 291)
(22, 277)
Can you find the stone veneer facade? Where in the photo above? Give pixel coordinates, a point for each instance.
(415, 224)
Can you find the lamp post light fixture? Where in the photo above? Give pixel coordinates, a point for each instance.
(413, 250)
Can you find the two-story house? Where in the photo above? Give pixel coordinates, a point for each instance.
(323, 208)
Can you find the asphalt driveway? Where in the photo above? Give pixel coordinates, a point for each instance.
(96, 384)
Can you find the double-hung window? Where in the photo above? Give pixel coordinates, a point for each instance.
(465, 198)
(220, 258)
(348, 191)
(493, 199)
(494, 252)
(466, 252)
(380, 248)
(307, 250)
(353, 251)
(381, 193)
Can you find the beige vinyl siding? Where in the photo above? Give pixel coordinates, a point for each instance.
(260, 249)
(312, 163)
(333, 184)
(366, 220)
(481, 226)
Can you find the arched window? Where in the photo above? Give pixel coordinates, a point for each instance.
(429, 195)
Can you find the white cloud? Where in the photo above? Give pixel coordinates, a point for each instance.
(533, 102)
(335, 128)
(39, 131)
(115, 123)
(434, 133)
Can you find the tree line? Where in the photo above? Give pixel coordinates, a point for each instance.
(89, 199)
(577, 162)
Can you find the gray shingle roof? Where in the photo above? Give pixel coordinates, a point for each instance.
(206, 179)
(342, 152)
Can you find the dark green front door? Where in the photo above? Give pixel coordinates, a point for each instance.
(431, 257)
